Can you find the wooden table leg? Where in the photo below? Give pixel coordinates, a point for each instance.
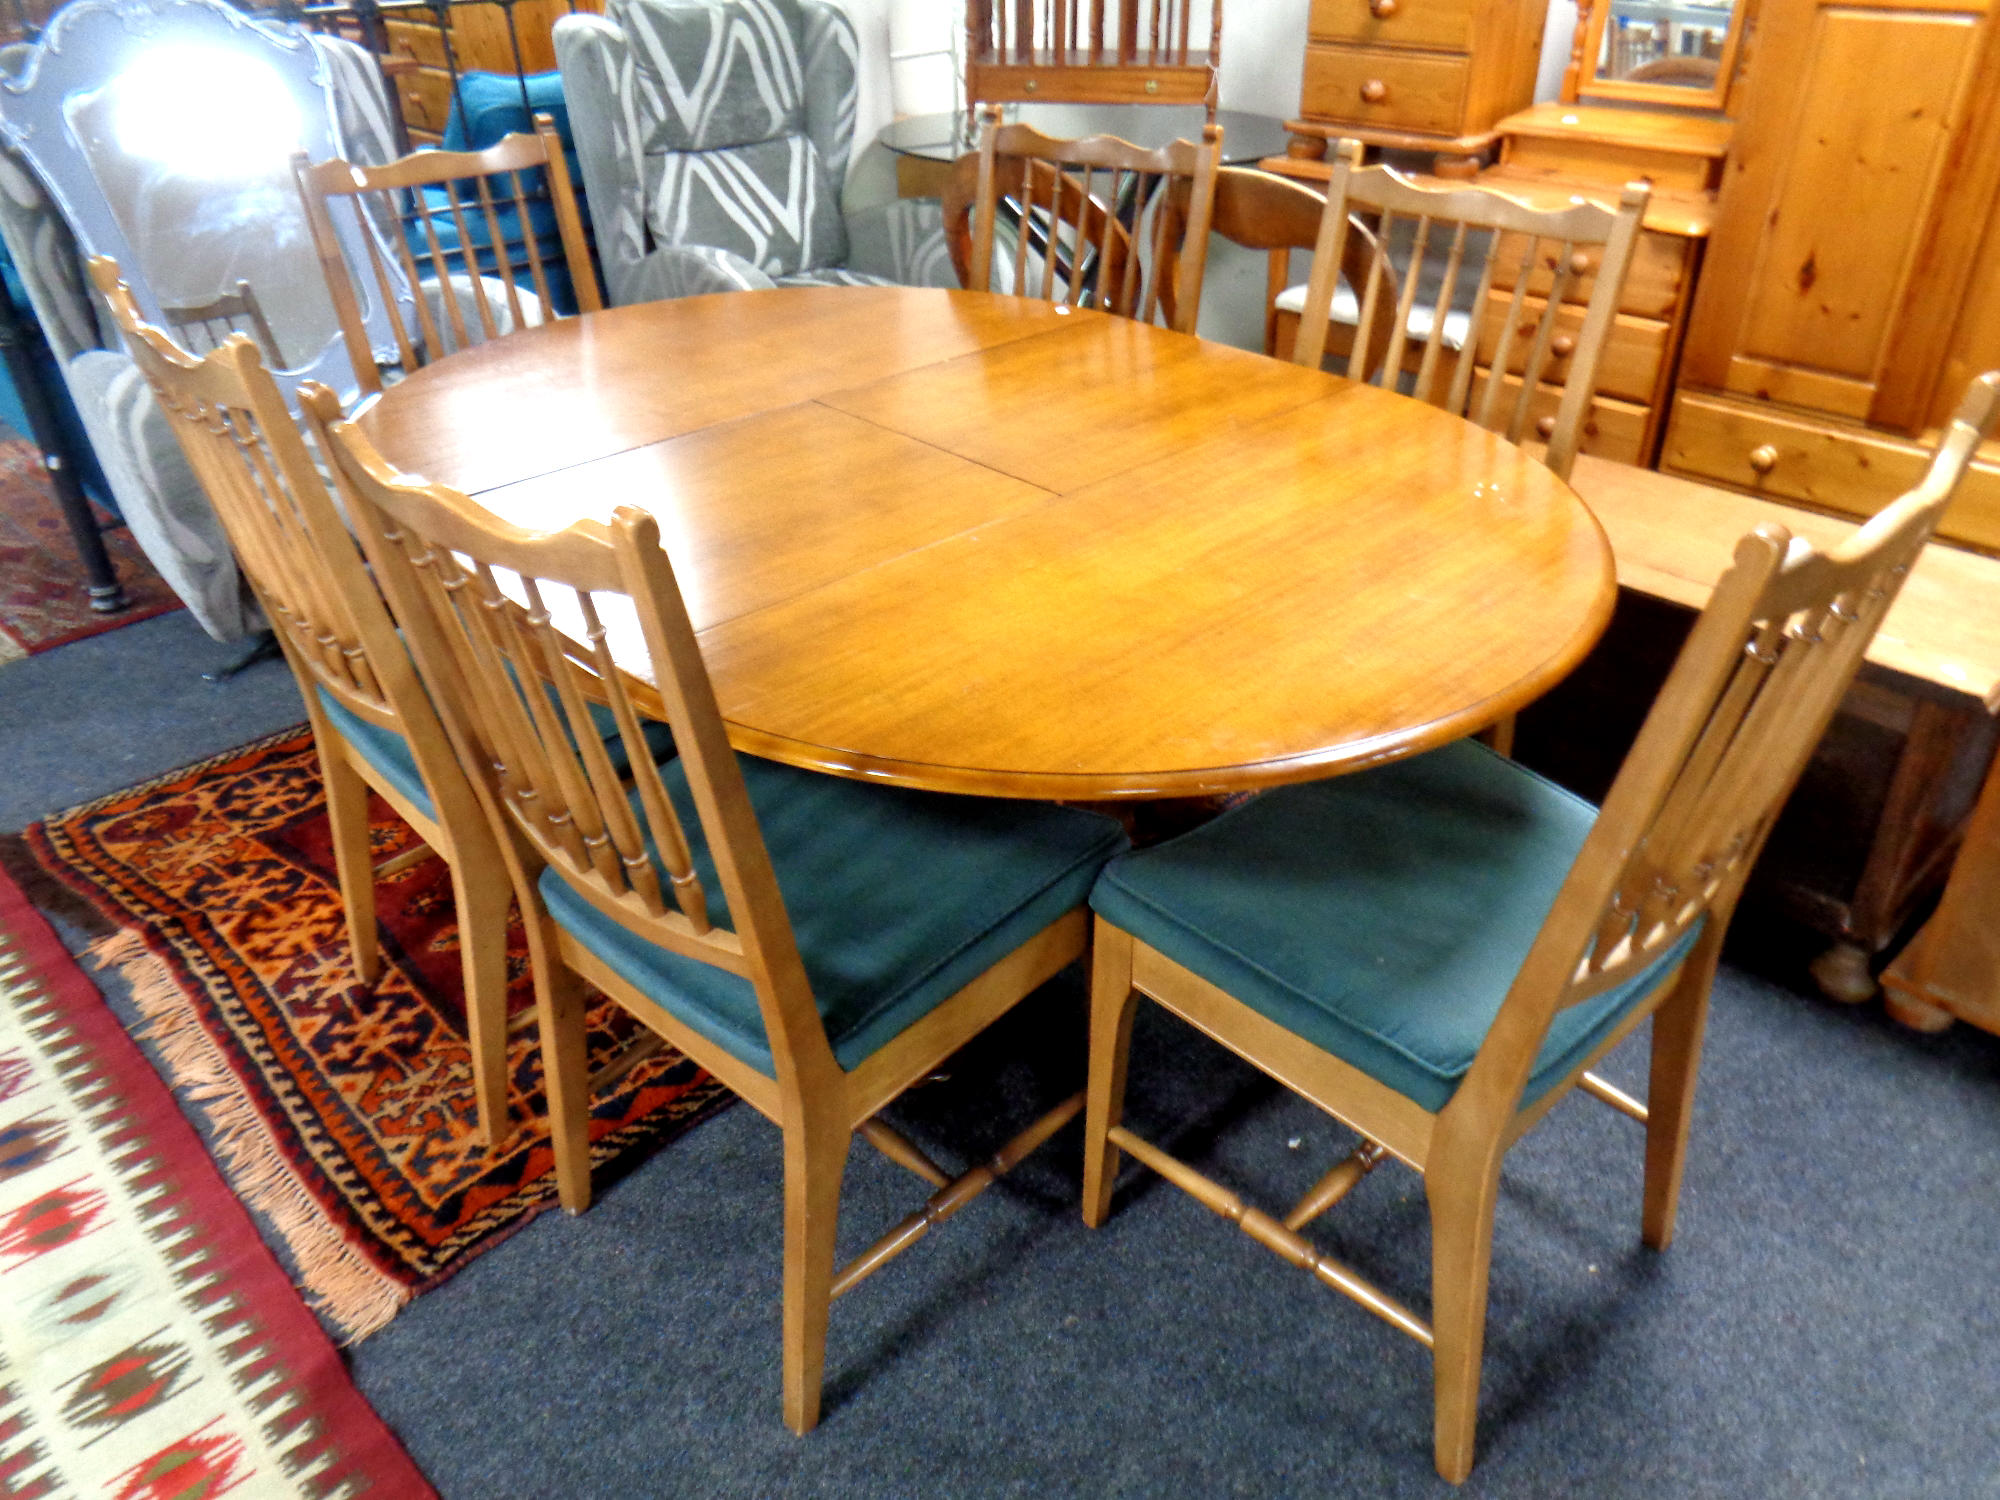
(1951, 970)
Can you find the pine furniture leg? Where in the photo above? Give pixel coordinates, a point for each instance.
(815, 1162)
(347, 813)
(481, 895)
(1462, 1195)
(565, 1072)
(1112, 1004)
(1678, 1027)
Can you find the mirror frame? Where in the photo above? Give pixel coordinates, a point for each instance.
(1594, 15)
(88, 44)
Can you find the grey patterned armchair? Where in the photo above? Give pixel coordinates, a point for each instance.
(714, 137)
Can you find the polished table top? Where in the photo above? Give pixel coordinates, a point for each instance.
(1246, 138)
(980, 543)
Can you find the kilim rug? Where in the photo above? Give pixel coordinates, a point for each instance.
(43, 598)
(150, 1347)
(343, 1114)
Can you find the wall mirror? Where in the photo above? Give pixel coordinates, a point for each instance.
(164, 130)
(1660, 51)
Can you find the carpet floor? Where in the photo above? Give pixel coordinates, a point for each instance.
(43, 598)
(342, 1113)
(150, 1344)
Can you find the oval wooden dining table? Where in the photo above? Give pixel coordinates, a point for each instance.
(984, 544)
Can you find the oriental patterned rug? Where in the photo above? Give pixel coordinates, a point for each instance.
(43, 598)
(343, 1114)
(149, 1344)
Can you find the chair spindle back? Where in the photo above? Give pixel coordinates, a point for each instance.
(1098, 222)
(428, 209)
(251, 459)
(1749, 697)
(1068, 33)
(588, 614)
(1472, 228)
(202, 326)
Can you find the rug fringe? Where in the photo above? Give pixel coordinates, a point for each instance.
(340, 1283)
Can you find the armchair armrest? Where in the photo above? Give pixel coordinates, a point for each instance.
(903, 241)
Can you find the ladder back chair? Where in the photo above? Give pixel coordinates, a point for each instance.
(201, 326)
(510, 204)
(372, 722)
(1096, 222)
(1091, 52)
(1435, 952)
(1263, 211)
(819, 944)
(1508, 341)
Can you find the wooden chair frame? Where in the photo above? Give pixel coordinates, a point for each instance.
(246, 449)
(1069, 51)
(1095, 197)
(441, 560)
(1571, 231)
(393, 196)
(1755, 685)
(1263, 211)
(225, 310)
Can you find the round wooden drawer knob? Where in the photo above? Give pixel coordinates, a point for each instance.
(1374, 91)
(1030, 86)
(1546, 426)
(1764, 458)
(1562, 346)
(1152, 85)
(1579, 264)
(1381, 10)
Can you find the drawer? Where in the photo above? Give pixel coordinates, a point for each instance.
(1611, 428)
(1787, 456)
(419, 39)
(1389, 90)
(1629, 367)
(1654, 281)
(1443, 25)
(426, 97)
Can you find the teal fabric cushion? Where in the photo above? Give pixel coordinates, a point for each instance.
(1380, 916)
(488, 106)
(897, 899)
(388, 752)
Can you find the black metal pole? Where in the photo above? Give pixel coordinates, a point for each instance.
(107, 594)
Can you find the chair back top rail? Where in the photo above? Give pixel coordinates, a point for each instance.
(1756, 684)
(452, 219)
(488, 607)
(1450, 221)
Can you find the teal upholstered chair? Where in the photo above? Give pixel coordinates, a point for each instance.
(817, 943)
(373, 724)
(714, 137)
(1437, 951)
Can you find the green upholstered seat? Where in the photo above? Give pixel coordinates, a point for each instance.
(1380, 916)
(897, 900)
(388, 752)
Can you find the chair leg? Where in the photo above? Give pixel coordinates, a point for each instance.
(565, 1073)
(1461, 1254)
(815, 1162)
(482, 891)
(1678, 1027)
(347, 812)
(1112, 1003)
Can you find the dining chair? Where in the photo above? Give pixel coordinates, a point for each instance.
(817, 943)
(1103, 52)
(373, 725)
(1097, 222)
(1437, 951)
(1458, 235)
(204, 325)
(510, 204)
(1263, 211)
